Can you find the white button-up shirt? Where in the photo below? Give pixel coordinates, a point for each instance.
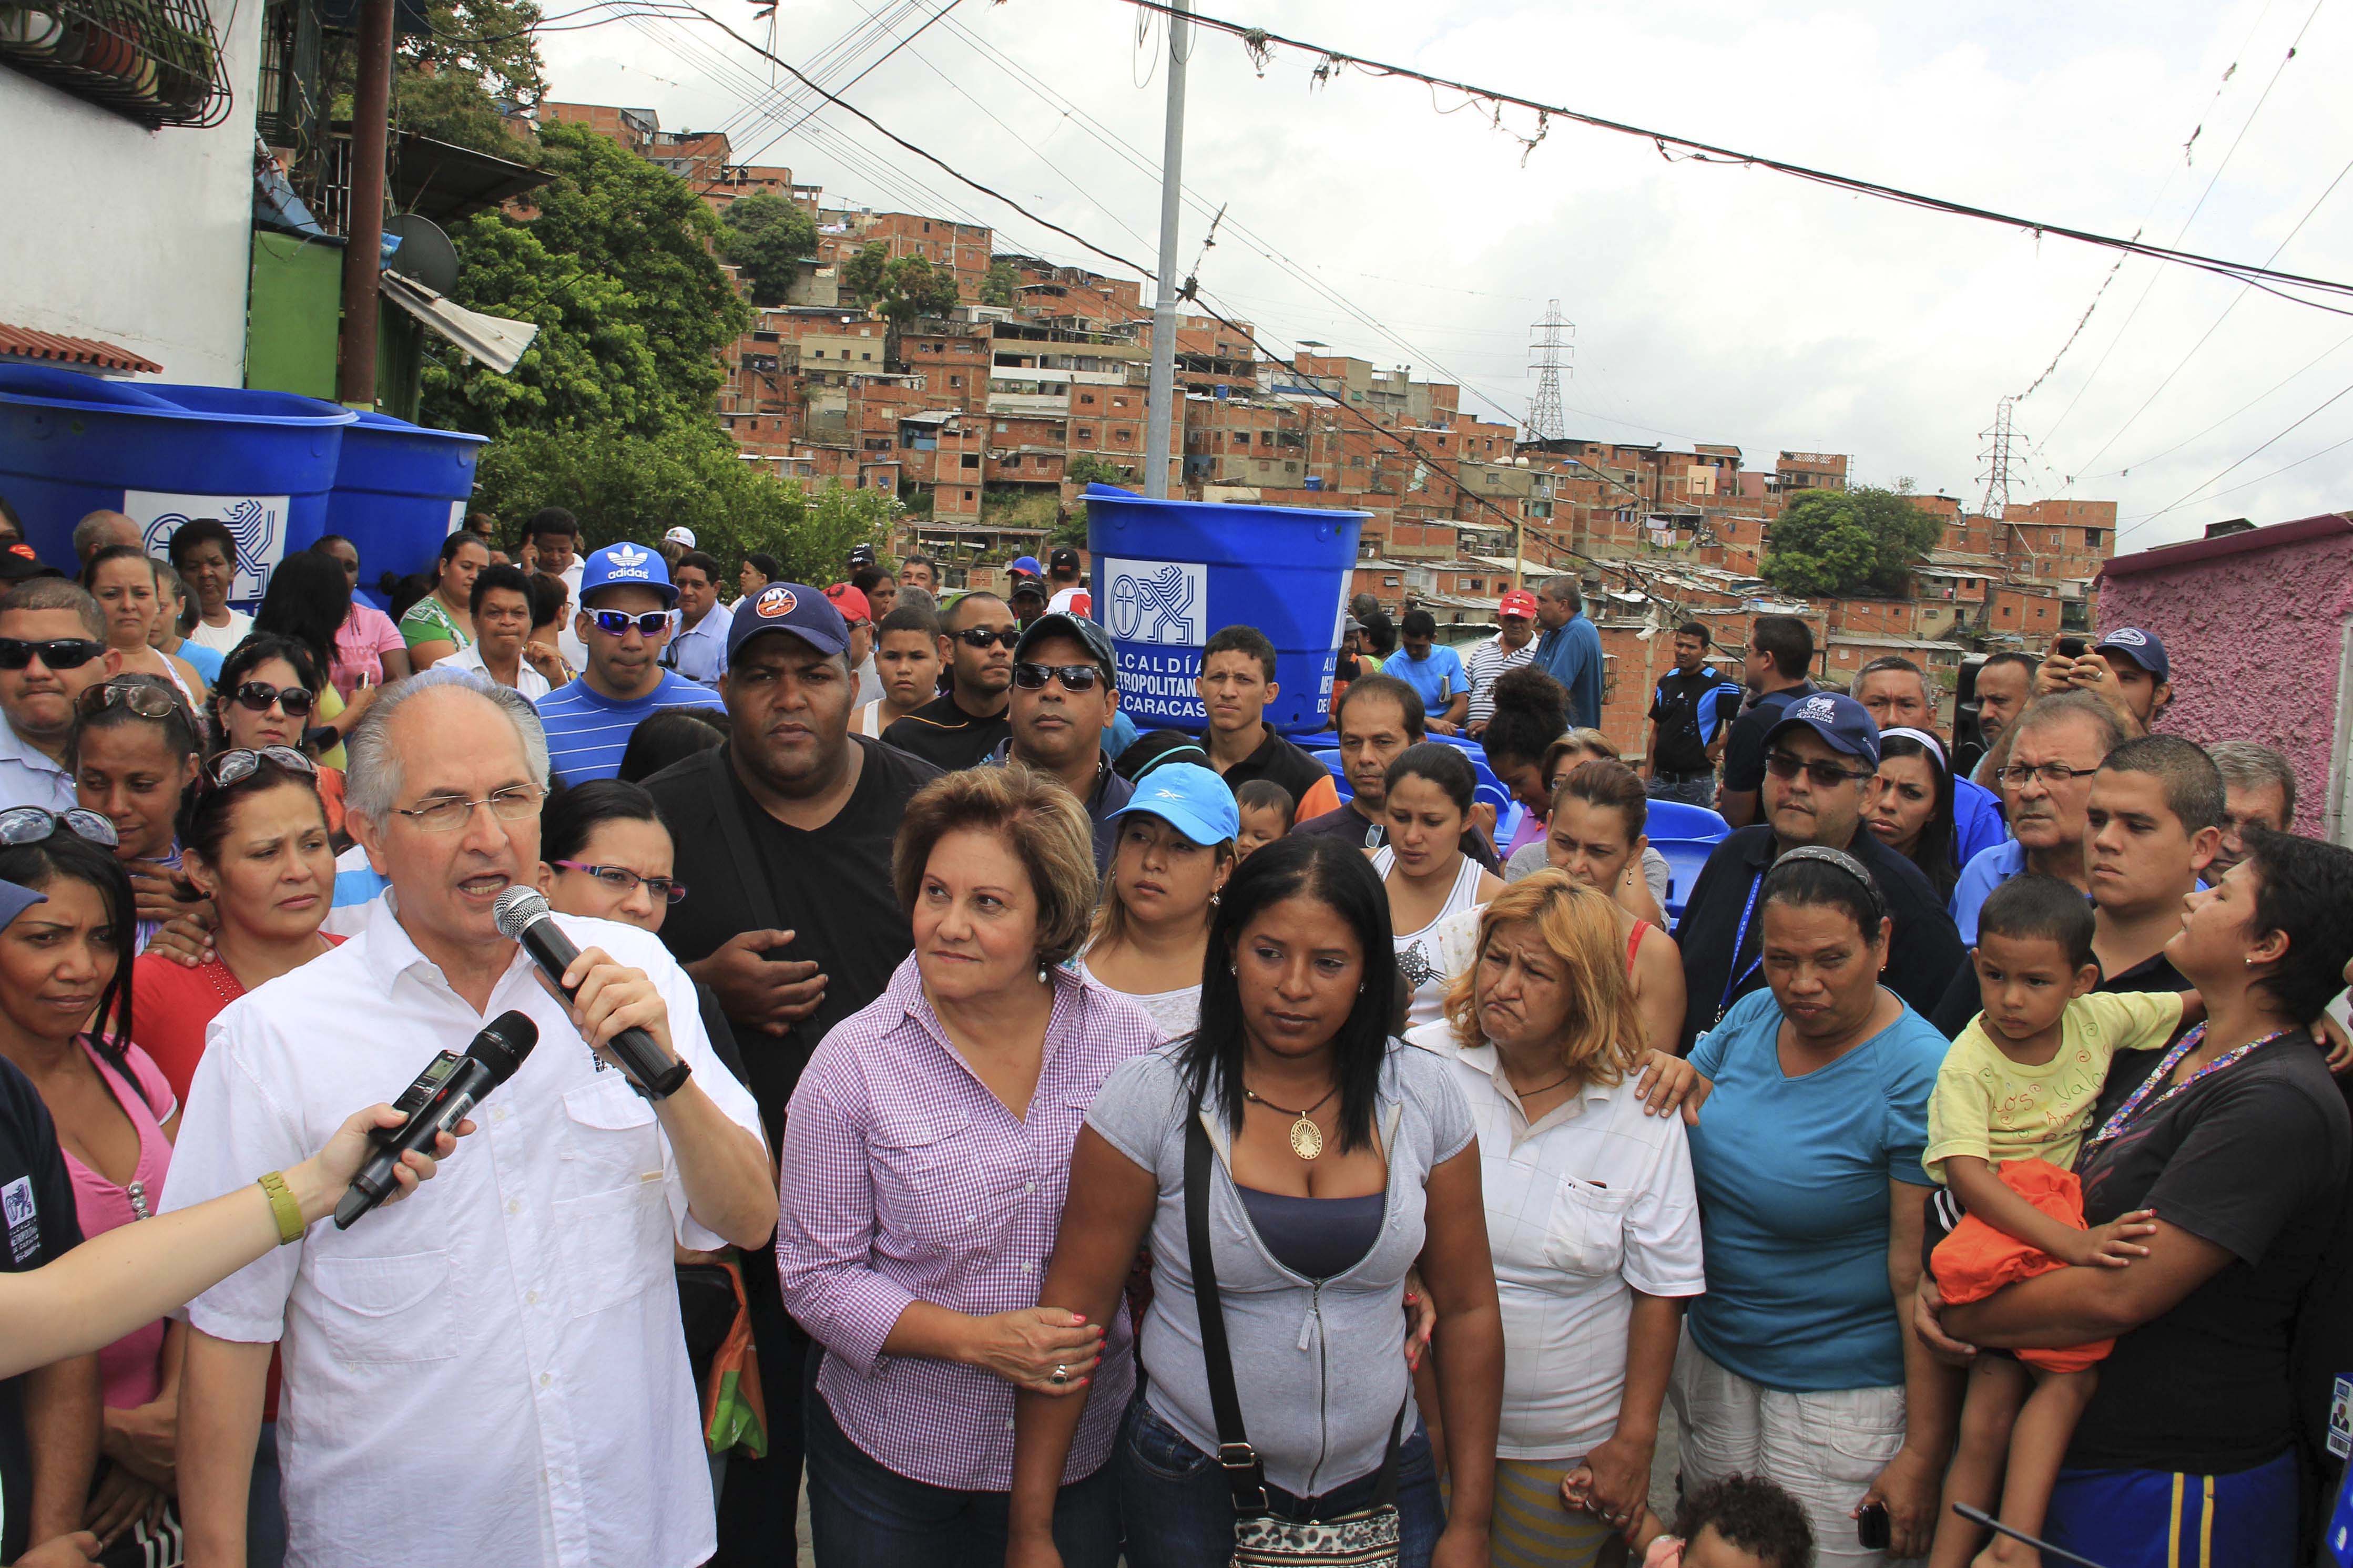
(699, 652)
(528, 681)
(492, 1370)
(1591, 1203)
(30, 776)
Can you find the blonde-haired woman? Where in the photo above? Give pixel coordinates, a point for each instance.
(1591, 1214)
(925, 1157)
(1175, 850)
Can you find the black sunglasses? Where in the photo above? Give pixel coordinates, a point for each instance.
(989, 637)
(1825, 775)
(258, 695)
(1073, 676)
(58, 653)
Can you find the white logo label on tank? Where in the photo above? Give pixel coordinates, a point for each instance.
(258, 523)
(1163, 603)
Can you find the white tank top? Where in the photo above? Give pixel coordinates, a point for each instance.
(1431, 957)
(868, 720)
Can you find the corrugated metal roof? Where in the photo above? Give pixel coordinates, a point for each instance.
(56, 350)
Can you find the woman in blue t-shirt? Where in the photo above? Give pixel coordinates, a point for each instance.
(1796, 1364)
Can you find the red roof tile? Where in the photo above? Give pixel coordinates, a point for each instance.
(30, 345)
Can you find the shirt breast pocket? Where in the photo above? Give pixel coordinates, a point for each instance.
(388, 1309)
(615, 1230)
(1588, 1235)
(933, 1193)
(610, 1137)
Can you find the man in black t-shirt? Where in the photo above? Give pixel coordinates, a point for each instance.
(1236, 683)
(48, 1416)
(959, 729)
(1692, 714)
(783, 834)
(1780, 659)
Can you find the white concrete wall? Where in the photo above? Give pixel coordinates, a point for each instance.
(140, 238)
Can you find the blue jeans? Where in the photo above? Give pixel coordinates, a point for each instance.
(865, 1515)
(1699, 789)
(1179, 1511)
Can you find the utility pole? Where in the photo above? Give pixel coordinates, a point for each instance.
(364, 231)
(1159, 398)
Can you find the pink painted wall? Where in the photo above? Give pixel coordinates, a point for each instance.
(2256, 639)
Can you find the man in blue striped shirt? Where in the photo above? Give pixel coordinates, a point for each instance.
(625, 622)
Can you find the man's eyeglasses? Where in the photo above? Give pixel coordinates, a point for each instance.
(31, 824)
(58, 653)
(1074, 677)
(135, 693)
(989, 637)
(258, 695)
(623, 880)
(511, 803)
(2051, 773)
(1825, 773)
(236, 766)
(616, 623)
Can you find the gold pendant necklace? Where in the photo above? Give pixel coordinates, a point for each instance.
(1306, 1138)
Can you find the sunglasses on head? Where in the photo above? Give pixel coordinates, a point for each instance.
(58, 653)
(235, 766)
(1825, 775)
(145, 701)
(989, 637)
(258, 695)
(1073, 676)
(616, 623)
(31, 824)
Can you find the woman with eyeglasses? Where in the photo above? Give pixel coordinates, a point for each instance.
(1434, 889)
(269, 696)
(368, 648)
(442, 622)
(132, 755)
(173, 617)
(120, 578)
(1910, 807)
(1175, 851)
(64, 969)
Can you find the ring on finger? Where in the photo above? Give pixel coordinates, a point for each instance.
(1061, 1376)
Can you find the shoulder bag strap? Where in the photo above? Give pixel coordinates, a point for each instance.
(1244, 1473)
(748, 865)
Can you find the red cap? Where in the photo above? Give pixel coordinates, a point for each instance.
(1519, 602)
(851, 602)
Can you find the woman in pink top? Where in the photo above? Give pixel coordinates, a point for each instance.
(63, 964)
(367, 643)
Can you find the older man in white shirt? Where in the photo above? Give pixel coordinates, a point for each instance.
(496, 1374)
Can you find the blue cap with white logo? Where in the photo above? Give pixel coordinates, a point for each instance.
(2140, 646)
(1845, 725)
(792, 607)
(625, 566)
(1191, 799)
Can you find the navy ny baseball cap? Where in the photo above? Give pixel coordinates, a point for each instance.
(626, 566)
(1089, 636)
(792, 607)
(2142, 648)
(1189, 798)
(1845, 725)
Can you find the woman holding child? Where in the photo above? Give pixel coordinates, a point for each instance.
(2238, 1141)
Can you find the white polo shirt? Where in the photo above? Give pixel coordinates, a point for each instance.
(528, 681)
(492, 1370)
(1592, 1203)
(30, 776)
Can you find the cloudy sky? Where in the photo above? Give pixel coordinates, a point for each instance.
(1711, 303)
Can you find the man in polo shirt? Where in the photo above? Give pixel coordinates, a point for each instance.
(1895, 691)
(965, 724)
(1514, 644)
(1692, 714)
(1778, 669)
(625, 621)
(1065, 690)
(1236, 683)
(698, 648)
(1820, 760)
(52, 650)
(1570, 650)
(2059, 742)
(1434, 671)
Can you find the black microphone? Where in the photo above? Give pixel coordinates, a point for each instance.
(449, 1088)
(523, 917)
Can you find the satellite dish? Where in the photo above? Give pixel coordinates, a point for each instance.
(425, 255)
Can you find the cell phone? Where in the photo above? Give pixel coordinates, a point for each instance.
(2072, 647)
(1873, 1531)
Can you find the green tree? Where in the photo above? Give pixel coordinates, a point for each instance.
(457, 80)
(1089, 469)
(1849, 541)
(765, 234)
(616, 271)
(1000, 287)
(901, 289)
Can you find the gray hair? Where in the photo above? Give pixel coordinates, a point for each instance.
(90, 533)
(1561, 589)
(373, 780)
(2064, 705)
(56, 593)
(2247, 765)
(921, 598)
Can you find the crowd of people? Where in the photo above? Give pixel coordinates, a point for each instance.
(1048, 1143)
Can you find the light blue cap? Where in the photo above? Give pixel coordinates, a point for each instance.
(1190, 798)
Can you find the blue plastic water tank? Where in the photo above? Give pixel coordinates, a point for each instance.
(400, 490)
(1167, 573)
(261, 462)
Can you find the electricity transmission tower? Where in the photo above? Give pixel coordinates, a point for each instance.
(1546, 421)
(2002, 463)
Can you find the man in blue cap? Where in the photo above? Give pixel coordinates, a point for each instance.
(2129, 669)
(1065, 691)
(1820, 760)
(624, 623)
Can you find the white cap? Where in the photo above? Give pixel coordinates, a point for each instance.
(680, 536)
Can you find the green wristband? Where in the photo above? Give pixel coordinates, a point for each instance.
(288, 1212)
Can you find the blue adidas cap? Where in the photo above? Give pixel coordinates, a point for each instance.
(625, 566)
(792, 607)
(2142, 648)
(1191, 799)
(1845, 725)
